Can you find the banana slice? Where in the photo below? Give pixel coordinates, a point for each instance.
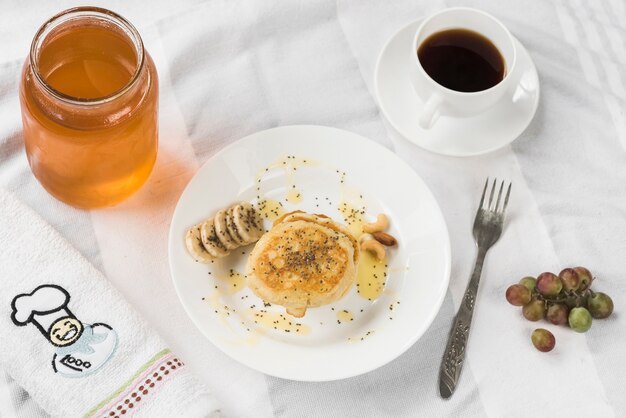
(193, 242)
(248, 221)
(210, 240)
(232, 228)
(222, 230)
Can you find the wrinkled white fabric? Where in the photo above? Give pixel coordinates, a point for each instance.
(230, 68)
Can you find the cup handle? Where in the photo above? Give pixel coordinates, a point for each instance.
(430, 113)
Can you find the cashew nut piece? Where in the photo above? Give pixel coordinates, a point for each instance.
(368, 243)
(380, 225)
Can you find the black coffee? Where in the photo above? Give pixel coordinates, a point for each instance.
(462, 60)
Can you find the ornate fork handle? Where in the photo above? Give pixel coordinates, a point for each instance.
(454, 355)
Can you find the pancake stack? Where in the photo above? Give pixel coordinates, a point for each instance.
(228, 230)
(304, 261)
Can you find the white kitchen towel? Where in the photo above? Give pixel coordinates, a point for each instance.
(228, 69)
(72, 341)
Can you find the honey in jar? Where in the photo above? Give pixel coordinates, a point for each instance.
(89, 98)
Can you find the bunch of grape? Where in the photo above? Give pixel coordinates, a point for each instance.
(566, 299)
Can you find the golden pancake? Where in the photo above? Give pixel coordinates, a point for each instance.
(302, 263)
(323, 220)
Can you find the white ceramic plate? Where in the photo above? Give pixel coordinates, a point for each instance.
(418, 271)
(459, 137)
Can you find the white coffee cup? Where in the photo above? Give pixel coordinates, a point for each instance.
(439, 100)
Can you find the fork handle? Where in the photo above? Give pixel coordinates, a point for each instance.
(454, 356)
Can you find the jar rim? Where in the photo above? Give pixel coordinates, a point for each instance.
(78, 13)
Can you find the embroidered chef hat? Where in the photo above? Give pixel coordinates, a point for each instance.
(43, 307)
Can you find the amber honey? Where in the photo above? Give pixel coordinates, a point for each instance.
(89, 97)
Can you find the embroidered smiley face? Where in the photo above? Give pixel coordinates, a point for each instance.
(80, 348)
(65, 331)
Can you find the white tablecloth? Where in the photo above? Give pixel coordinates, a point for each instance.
(230, 68)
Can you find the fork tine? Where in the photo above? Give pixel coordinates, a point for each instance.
(495, 208)
(506, 199)
(482, 198)
(493, 189)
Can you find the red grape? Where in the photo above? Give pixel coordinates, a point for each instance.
(570, 279)
(543, 340)
(529, 282)
(549, 284)
(534, 310)
(557, 313)
(518, 295)
(585, 277)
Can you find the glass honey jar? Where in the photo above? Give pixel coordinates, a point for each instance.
(89, 99)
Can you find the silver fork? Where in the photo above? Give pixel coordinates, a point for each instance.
(487, 229)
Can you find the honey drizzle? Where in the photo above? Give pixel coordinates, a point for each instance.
(271, 209)
(268, 321)
(290, 165)
(235, 282)
(222, 311)
(353, 217)
(371, 276)
(294, 197)
(344, 316)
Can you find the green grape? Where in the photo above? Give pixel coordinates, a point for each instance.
(585, 278)
(557, 313)
(570, 279)
(543, 340)
(579, 319)
(549, 284)
(600, 305)
(518, 295)
(534, 310)
(529, 282)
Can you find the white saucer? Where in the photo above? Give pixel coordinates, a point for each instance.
(459, 137)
